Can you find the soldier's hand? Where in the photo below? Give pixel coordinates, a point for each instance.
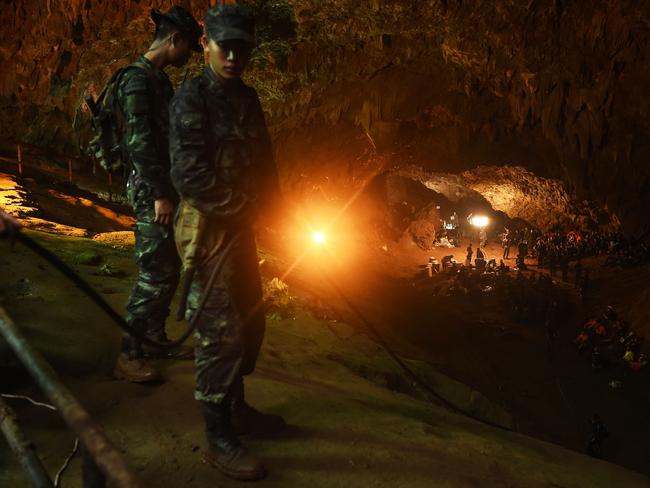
(164, 209)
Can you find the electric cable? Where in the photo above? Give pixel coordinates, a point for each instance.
(412, 374)
(109, 310)
(119, 320)
(66, 463)
(33, 402)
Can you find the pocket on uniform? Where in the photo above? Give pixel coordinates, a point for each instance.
(188, 232)
(191, 130)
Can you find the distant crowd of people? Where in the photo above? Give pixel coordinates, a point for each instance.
(527, 298)
(555, 250)
(564, 252)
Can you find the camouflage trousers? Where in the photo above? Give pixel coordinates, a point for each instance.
(158, 271)
(231, 325)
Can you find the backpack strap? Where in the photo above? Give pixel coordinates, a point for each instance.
(113, 81)
(150, 76)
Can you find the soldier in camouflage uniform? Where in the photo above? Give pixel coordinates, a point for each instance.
(144, 93)
(223, 169)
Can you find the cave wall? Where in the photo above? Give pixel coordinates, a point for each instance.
(354, 87)
(516, 192)
(54, 52)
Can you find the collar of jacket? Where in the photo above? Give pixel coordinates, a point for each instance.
(151, 67)
(216, 84)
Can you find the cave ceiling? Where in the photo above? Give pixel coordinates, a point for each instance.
(353, 88)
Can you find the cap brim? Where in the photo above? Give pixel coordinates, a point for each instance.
(231, 33)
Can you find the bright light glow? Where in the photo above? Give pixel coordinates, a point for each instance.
(318, 237)
(479, 221)
(319, 233)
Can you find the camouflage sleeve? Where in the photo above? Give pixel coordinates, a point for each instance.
(141, 141)
(192, 174)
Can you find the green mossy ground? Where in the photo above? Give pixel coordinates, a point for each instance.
(354, 420)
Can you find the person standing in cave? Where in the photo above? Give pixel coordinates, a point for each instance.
(597, 436)
(223, 169)
(482, 237)
(522, 252)
(480, 254)
(468, 258)
(506, 245)
(144, 92)
(479, 262)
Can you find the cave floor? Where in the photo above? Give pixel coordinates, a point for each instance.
(371, 433)
(480, 345)
(349, 426)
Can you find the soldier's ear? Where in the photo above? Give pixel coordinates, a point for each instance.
(206, 51)
(175, 38)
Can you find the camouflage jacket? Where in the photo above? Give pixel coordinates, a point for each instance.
(222, 162)
(144, 94)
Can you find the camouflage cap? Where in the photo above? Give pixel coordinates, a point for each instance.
(186, 23)
(230, 21)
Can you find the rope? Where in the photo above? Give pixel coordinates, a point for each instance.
(109, 310)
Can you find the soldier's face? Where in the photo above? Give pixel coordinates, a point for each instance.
(180, 51)
(228, 58)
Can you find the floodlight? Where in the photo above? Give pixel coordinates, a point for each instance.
(479, 221)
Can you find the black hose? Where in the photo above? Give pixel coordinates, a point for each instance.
(119, 320)
(108, 309)
(412, 374)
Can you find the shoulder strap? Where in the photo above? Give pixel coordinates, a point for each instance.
(112, 81)
(150, 75)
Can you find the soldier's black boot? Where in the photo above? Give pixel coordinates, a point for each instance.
(224, 449)
(248, 420)
(131, 365)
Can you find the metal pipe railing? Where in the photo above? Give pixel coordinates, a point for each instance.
(23, 448)
(102, 456)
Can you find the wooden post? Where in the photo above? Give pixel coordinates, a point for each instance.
(94, 167)
(110, 179)
(69, 170)
(20, 162)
